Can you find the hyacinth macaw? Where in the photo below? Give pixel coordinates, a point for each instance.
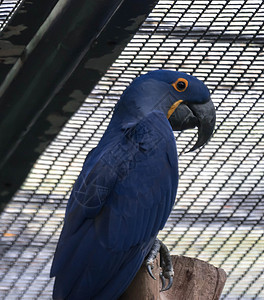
(127, 187)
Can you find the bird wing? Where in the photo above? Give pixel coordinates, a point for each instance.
(88, 196)
(116, 209)
(142, 198)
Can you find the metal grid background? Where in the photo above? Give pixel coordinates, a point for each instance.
(218, 215)
(7, 9)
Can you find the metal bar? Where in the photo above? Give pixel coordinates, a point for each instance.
(23, 25)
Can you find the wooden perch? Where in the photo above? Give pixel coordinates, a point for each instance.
(193, 279)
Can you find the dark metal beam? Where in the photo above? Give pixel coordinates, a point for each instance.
(72, 50)
(20, 30)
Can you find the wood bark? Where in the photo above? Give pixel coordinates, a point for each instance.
(194, 279)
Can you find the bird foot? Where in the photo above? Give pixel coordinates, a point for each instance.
(165, 263)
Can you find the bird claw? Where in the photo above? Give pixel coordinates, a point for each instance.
(165, 262)
(166, 266)
(149, 262)
(150, 267)
(170, 283)
(163, 281)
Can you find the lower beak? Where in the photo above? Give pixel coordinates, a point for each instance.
(195, 115)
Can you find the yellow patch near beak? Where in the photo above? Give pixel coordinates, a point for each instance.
(173, 107)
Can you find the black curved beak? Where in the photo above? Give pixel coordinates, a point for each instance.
(195, 115)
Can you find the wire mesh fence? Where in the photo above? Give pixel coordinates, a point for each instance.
(218, 213)
(7, 9)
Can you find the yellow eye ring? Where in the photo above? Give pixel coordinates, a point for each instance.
(180, 85)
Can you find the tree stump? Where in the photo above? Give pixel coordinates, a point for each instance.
(194, 279)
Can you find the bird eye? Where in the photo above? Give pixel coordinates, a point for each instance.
(180, 85)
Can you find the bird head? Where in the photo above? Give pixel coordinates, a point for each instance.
(184, 99)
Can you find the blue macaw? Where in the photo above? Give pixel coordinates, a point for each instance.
(127, 187)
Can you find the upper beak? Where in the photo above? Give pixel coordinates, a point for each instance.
(192, 115)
